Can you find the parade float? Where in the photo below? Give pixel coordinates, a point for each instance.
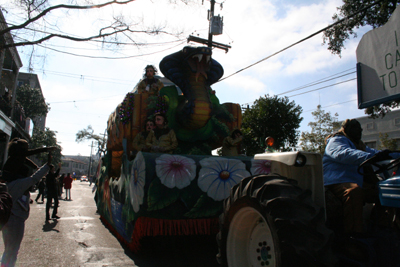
(143, 194)
(257, 218)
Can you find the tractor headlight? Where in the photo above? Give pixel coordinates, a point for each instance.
(301, 160)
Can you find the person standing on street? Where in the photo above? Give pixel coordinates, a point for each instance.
(5, 204)
(13, 230)
(67, 186)
(52, 192)
(41, 187)
(61, 185)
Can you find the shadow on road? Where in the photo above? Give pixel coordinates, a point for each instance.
(49, 226)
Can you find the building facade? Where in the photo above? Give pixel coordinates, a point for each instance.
(11, 123)
(389, 124)
(32, 80)
(75, 167)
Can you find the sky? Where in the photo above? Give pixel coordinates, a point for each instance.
(84, 82)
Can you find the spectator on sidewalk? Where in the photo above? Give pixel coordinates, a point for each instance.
(41, 187)
(52, 192)
(61, 185)
(13, 230)
(67, 186)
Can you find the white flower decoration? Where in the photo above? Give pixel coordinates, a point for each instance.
(218, 175)
(175, 171)
(260, 166)
(137, 178)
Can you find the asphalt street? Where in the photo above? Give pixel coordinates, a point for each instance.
(79, 238)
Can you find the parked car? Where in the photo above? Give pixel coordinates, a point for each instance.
(84, 178)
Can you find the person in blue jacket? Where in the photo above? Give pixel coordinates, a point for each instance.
(344, 152)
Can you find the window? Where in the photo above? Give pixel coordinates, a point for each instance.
(397, 121)
(370, 126)
(20, 83)
(371, 144)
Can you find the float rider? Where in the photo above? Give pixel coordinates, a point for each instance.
(149, 83)
(231, 145)
(162, 139)
(139, 142)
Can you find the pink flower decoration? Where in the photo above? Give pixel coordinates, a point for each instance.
(260, 166)
(175, 171)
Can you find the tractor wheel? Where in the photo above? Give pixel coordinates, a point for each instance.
(269, 221)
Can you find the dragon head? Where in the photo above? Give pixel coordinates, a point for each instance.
(198, 59)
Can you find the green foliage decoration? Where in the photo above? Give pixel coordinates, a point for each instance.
(159, 196)
(205, 207)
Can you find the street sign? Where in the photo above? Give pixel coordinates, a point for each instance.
(378, 67)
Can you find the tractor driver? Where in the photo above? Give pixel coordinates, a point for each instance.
(343, 154)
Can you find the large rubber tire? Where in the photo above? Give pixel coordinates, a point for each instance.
(269, 221)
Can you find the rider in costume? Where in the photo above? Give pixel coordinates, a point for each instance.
(162, 139)
(149, 83)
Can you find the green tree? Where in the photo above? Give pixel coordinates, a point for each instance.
(386, 142)
(88, 134)
(46, 138)
(375, 16)
(271, 116)
(324, 125)
(32, 101)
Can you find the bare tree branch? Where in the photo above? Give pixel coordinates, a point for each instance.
(44, 12)
(100, 35)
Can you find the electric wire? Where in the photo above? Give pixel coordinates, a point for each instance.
(324, 87)
(311, 84)
(96, 57)
(302, 40)
(336, 104)
(306, 86)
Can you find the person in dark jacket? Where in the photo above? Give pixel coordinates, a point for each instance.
(52, 192)
(17, 164)
(61, 185)
(13, 230)
(41, 187)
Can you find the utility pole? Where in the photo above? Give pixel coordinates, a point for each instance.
(210, 17)
(90, 161)
(215, 28)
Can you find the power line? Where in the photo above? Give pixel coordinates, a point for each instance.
(315, 83)
(310, 84)
(84, 77)
(77, 55)
(302, 40)
(332, 105)
(84, 100)
(323, 87)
